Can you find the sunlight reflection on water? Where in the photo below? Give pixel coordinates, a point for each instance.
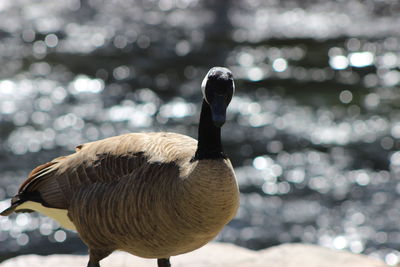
(313, 130)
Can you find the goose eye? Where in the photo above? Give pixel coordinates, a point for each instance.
(218, 81)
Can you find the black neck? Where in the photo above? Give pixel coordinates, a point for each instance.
(209, 140)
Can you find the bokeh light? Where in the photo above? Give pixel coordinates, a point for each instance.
(313, 130)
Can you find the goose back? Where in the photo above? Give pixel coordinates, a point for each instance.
(139, 192)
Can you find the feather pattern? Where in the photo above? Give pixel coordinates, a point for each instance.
(165, 203)
(154, 195)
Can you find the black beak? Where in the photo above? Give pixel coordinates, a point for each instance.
(218, 110)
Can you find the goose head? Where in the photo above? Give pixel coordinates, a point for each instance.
(218, 88)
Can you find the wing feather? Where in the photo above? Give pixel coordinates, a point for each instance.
(53, 184)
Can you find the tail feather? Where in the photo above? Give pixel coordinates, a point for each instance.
(9, 210)
(15, 202)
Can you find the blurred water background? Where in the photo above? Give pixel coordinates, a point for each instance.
(313, 130)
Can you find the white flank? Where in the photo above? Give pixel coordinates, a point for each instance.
(60, 215)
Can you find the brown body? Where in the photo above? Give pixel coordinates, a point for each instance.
(154, 195)
(141, 193)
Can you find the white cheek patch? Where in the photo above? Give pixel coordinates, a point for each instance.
(203, 87)
(205, 80)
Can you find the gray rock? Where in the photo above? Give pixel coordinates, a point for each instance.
(217, 255)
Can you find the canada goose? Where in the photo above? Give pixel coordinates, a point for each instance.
(154, 195)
